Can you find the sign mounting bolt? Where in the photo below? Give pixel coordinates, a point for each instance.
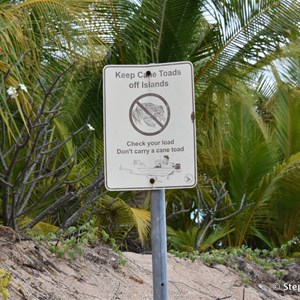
(193, 116)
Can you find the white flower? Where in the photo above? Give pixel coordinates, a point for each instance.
(90, 127)
(12, 92)
(23, 87)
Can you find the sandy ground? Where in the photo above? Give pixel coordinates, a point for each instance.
(38, 274)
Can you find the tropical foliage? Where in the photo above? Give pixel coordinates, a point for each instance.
(246, 61)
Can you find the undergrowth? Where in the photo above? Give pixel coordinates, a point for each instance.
(5, 279)
(70, 243)
(274, 260)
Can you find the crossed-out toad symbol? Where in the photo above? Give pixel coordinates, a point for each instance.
(149, 114)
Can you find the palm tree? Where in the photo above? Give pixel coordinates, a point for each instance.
(42, 39)
(42, 43)
(229, 43)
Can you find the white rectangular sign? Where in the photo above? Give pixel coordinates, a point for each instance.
(149, 126)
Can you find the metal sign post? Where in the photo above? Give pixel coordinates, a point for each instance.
(159, 244)
(153, 105)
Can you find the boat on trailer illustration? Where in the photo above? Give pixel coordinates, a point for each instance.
(160, 171)
(162, 168)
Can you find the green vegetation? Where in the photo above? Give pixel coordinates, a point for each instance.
(71, 242)
(246, 61)
(4, 283)
(273, 261)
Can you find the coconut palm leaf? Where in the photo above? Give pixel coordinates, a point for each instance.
(276, 198)
(251, 156)
(177, 26)
(184, 241)
(41, 39)
(286, 112)
(218, 234)
(118, 218)
(180, 240)
(250, 34)
(284, 109)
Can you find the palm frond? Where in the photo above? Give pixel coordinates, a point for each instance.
(179, 21)
(250, 36)
(39, 40)
(180, 240)
(118, 218)
(277, 196)
(251, 155)
(218, 234)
